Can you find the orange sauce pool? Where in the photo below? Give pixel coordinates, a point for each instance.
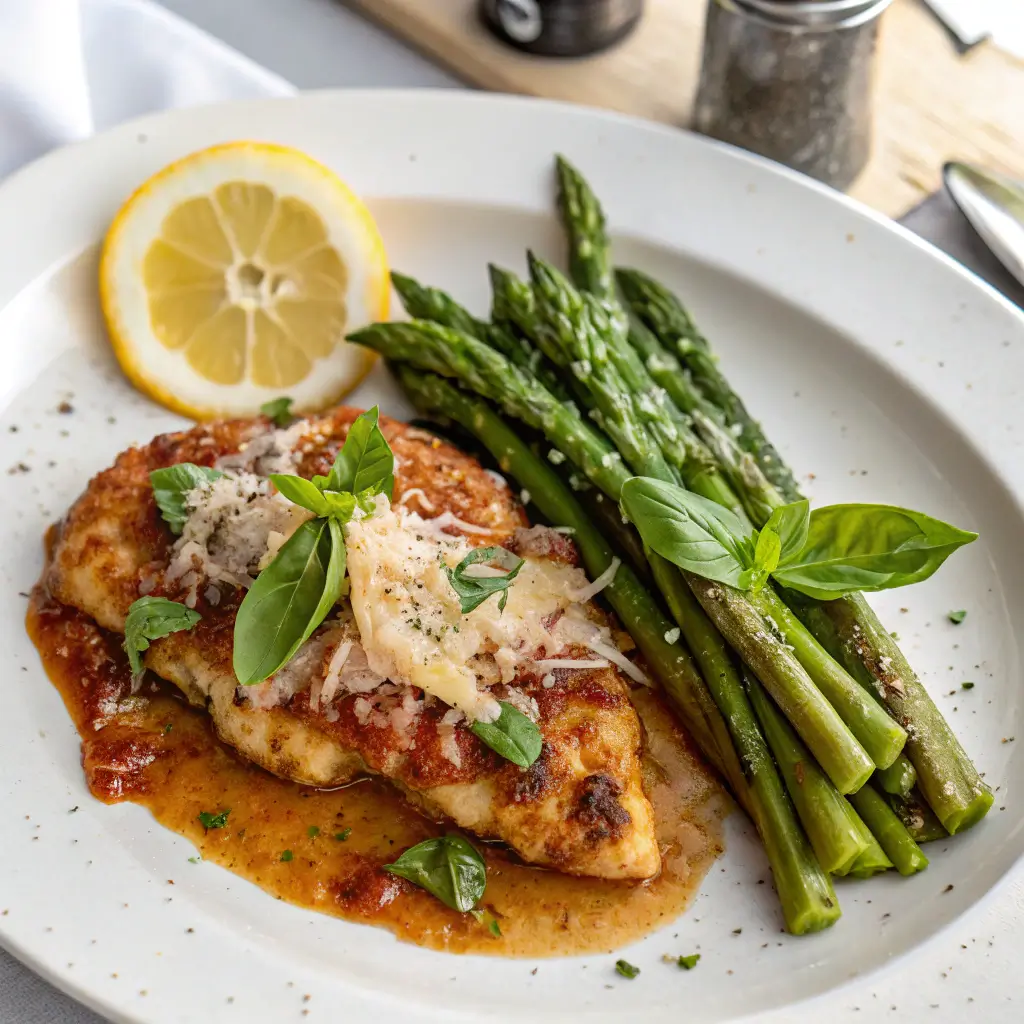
(155, 750)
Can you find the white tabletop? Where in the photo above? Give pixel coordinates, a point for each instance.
(971, 973)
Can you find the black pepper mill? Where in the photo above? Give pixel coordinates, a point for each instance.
(561, 28)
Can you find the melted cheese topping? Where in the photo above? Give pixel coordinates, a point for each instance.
(410, 622)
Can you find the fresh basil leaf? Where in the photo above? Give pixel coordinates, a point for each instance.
(688, 962)
(279, 410)
(448, 867)
(766, 558)
(151, 618)
(692, 532)
(208, 820)
(289, 599)
(474, 590)
(365, 462)
(302, 492)
(306, 494)
(626, 969)
(340, 506)
(791, 523)
(869, 547)
(957, 617)
(171, 486)
(512, 735)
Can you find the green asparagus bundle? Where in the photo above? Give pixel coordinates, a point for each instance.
(947, 778)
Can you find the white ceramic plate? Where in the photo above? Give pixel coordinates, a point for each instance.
(876, 363)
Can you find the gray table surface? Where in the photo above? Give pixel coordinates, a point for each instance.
(319, 44)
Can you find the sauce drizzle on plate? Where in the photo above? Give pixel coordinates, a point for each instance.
(155, 750)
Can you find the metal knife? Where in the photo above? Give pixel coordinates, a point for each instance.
(994, 204)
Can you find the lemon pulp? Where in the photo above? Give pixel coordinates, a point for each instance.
(246, 284)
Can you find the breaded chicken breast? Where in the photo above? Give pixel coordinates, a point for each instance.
(330, 715)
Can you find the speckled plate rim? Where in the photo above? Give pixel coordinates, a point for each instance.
(496, 151)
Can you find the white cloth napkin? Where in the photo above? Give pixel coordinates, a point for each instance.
(70, 68)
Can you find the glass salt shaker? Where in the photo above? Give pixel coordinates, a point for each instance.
(791, 81)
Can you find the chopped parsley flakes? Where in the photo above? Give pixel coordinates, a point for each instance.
(208, 820)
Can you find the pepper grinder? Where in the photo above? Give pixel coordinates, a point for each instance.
(561, 28)
(791, 80)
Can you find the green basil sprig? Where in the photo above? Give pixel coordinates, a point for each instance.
(825, 553)
(694, 532)
(289, 599)
(868, 547)
(448, 867)
(321, 503)
(151, 618)
(171, 486)
(512, 735)
(366, 462)
(279, 411)
(474, 590)
(298, 589)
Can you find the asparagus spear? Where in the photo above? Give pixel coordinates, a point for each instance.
(816, 721)
(805, 892)
(945, 774)
(644, 362)
(662, 312)
(890, 832)
(424, 303)
(827, 818)
(901, 775)
(899, 778)
(558, 322)
(583, 218)
(880, 736)
(873, 859)
(449, 353)
(574, 315)
(918, 817)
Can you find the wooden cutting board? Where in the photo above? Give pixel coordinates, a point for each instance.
(931, 105)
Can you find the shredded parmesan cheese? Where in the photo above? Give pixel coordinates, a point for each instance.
(420, 496)
(438, 524)
(602, 581)
(410, 621)
(233, 522)
(333, 678)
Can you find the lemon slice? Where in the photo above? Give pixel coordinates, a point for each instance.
(233, 276)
